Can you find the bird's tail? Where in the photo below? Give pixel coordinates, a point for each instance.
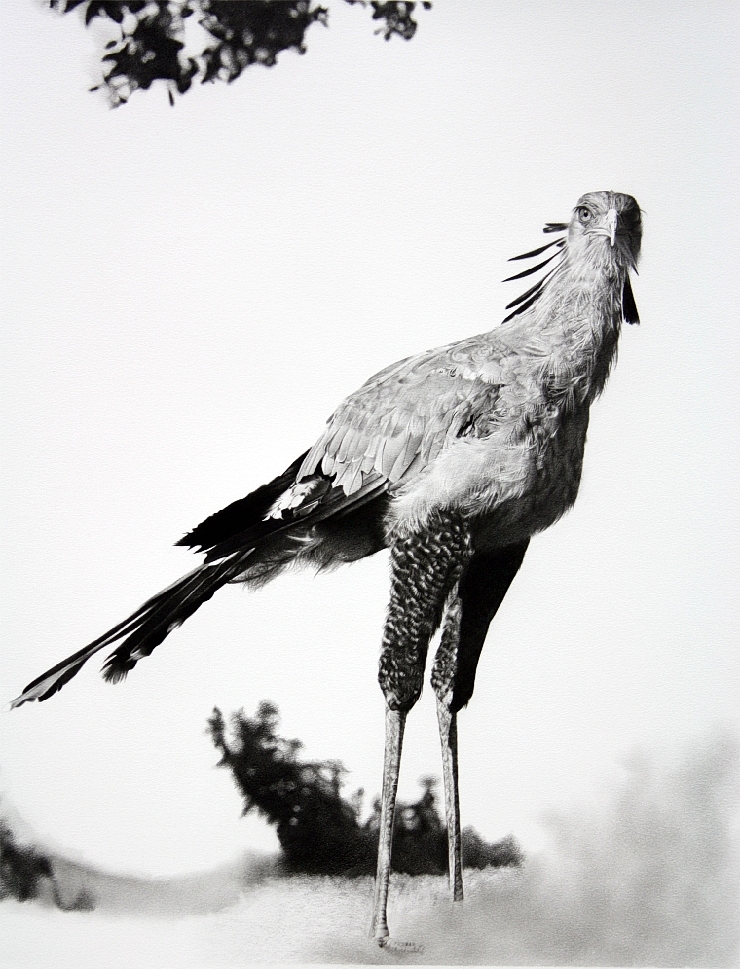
(250, 541)
(140, 633)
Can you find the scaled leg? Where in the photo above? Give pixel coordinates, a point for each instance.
(394, 725)
(480, 593)
(424, 570)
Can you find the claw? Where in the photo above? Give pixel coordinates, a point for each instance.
(390, 945)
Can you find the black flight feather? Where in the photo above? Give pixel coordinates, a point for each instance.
(329, 502)
(629, 307)
(241, 514)
(166, 612)
(137, 626)
(253, 540)
(555, 227)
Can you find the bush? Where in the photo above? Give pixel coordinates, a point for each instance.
(21, 869)
(320, 832)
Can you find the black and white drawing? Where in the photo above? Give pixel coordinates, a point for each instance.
(191, 284)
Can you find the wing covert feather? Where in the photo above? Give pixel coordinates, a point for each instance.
(398, 422)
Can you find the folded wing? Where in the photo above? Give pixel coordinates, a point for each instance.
(396, 424)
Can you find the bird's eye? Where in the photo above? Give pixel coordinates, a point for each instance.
(584, 215)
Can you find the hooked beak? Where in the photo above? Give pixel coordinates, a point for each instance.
(611, 224)
(608, 228)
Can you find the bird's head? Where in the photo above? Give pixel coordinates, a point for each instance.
(603, 241)
(606, 226)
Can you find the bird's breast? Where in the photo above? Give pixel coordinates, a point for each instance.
(510, 483)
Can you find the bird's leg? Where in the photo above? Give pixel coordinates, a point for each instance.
(394, 724)
(445, 666)
(424, 569)
(480, 591)
(448, 738)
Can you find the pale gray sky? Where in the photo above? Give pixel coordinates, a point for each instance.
(187, 294)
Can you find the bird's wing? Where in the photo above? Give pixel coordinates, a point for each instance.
(379, 438)
(397, 423)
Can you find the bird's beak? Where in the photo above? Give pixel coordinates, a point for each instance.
(611, 224)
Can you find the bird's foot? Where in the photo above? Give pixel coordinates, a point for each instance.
(393, 945)
(381, 936)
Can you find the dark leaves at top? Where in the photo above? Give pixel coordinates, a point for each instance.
(151, 45)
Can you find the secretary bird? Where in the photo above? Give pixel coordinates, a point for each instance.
(453, 459)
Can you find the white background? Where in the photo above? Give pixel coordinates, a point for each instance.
(188, 292)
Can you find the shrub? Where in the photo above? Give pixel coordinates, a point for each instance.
(320, 832)
(21, 868)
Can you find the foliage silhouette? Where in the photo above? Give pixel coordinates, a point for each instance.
(21, 869)
(153, 43)
(26, 874)
(319, 831)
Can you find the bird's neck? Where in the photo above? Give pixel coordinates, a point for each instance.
(581, 312)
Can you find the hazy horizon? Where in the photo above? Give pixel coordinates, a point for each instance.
(648, 875)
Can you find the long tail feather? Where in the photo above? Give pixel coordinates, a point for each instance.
(144, 629)
(244, 542)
